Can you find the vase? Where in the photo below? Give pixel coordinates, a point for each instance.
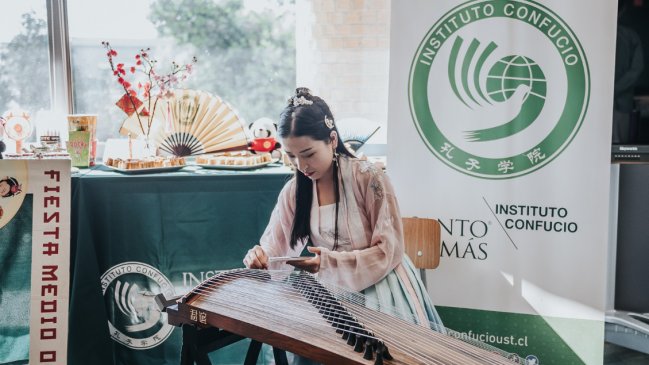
(148, 146)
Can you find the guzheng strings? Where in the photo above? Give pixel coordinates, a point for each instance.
(296, 304)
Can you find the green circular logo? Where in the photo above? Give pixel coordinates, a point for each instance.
(134, 319)
(498, 89)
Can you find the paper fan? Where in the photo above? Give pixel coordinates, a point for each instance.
(194, 122)
(17, 126)
(356, 131)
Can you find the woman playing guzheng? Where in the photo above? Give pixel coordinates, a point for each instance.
(347, 208)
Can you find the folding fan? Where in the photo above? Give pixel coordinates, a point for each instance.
(18, 127)
(356, 131)
(193, 122)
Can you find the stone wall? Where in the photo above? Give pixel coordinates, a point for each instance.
(343, 56)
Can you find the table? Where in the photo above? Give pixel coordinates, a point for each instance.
(136, 235)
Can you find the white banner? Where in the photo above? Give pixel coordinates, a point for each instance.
(500, 127)
(35, 251)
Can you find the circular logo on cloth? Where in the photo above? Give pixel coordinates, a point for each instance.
(498, 89)
(129, 291)
(531, 360)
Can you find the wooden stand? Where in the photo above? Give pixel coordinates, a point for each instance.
(198, 342)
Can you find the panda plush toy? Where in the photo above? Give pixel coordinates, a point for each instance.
(263, 132)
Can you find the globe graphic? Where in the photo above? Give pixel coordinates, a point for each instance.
(510, 72)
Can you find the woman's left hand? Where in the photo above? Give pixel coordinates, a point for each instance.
(311, 265)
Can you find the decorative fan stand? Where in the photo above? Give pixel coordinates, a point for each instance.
(18, 127)
(193, 122)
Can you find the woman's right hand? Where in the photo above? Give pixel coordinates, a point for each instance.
(256, 258)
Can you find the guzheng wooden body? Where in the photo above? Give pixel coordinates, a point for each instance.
(294, 312)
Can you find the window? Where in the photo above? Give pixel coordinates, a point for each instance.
(24, 60)
(245, 51)
(252, 53)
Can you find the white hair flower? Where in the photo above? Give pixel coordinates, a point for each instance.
(329, 123)
(301, 101)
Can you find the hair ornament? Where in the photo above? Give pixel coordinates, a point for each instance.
(329, 123)
(297, 101)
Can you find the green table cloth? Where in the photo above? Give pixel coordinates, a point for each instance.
(15, 285)
(134, 236)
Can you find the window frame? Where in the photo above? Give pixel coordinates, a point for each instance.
(59, 52)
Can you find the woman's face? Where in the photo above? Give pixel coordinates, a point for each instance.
(313, 158)
(4, 188)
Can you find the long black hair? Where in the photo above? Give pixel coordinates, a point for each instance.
(305, 115)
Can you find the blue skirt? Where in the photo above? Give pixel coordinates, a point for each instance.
(391, 292)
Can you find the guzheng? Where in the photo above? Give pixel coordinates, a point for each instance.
(292, 310)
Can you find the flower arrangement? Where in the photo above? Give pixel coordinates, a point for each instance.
(154, 87)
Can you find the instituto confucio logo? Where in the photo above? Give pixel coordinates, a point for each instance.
(498, 89)
(129, 292)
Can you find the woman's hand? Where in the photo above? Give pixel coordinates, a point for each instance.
(311, 265)
(256, 258)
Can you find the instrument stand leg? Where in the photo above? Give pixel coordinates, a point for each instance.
(190, 353)
(280, 356)
(255, 348)
(253, 353)
(199, 342)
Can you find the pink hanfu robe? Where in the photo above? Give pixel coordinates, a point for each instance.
(371, 258)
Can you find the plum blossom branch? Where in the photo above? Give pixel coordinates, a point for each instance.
(154, 86)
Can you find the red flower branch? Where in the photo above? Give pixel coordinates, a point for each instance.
(163, 84)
